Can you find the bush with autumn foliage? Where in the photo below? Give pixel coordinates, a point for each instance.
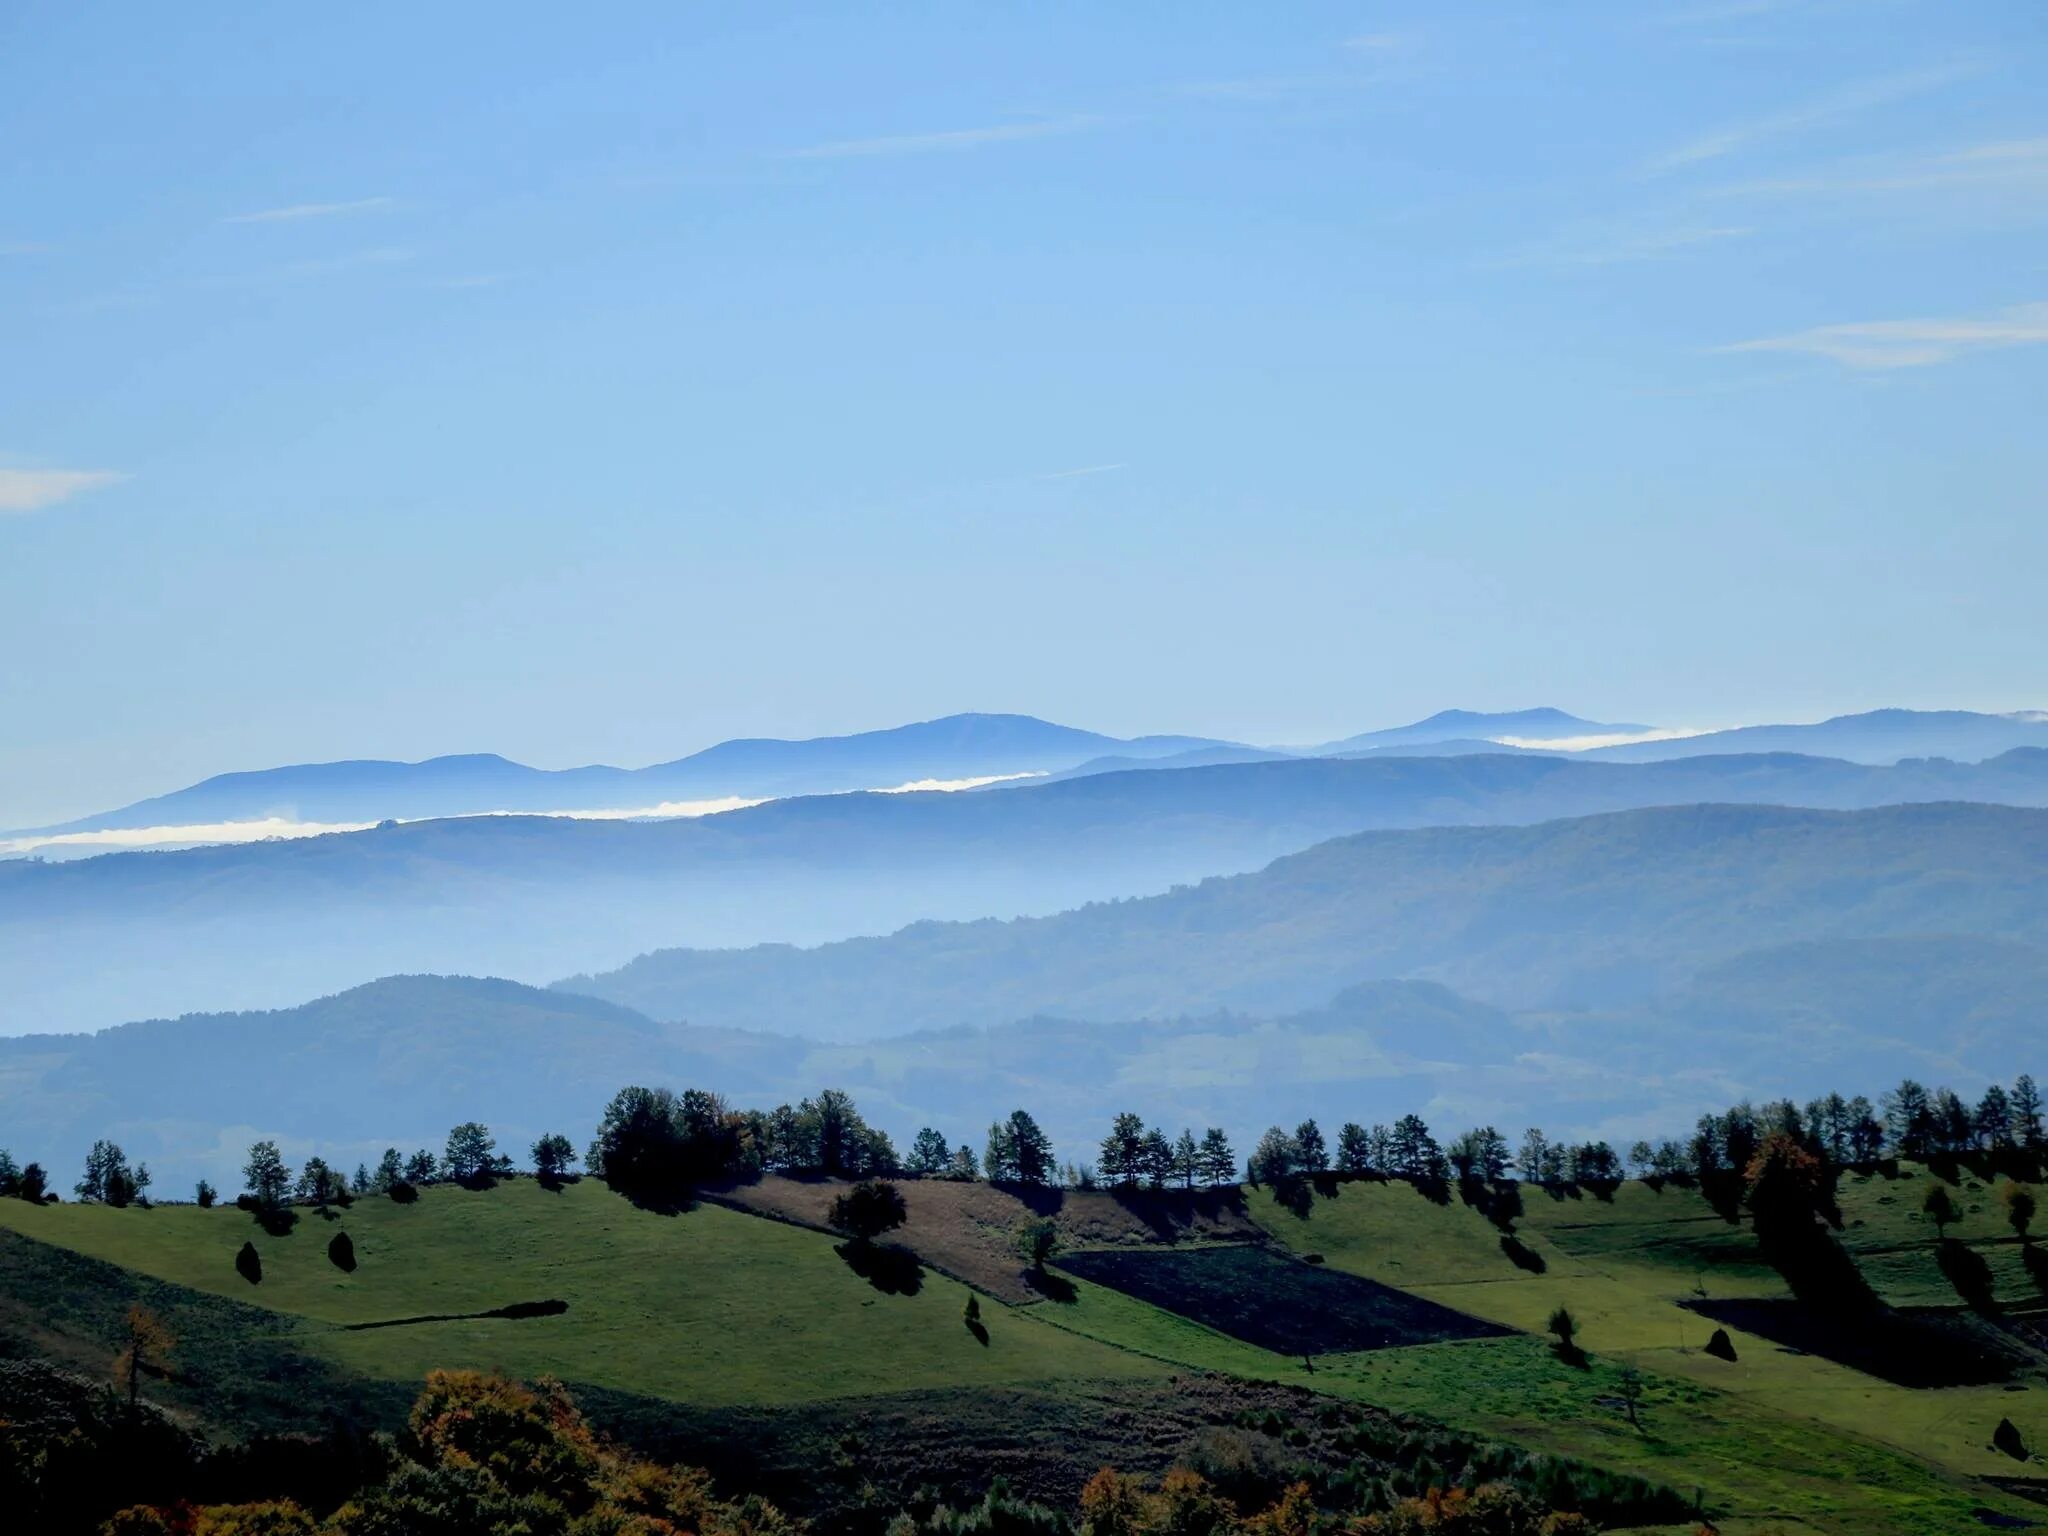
(481, 1453)
(1187, 1504)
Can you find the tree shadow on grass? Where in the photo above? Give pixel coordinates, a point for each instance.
(889, 1269)
(979, 1329)
(1968, 1273)
(1521, 1255)
(1051, 1286)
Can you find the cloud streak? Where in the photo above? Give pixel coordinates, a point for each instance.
(294, 212)
(1886, 344)
(1614, 246)
(1086, 469)
(31, 490)
(1845, 101)
(936, 143)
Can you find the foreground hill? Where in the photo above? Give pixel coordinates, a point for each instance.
(100, 941)
(1599, 912)
(760, 1346)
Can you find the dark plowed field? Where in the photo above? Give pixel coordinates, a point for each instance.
(1276, 1303)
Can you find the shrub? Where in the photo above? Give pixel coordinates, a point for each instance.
(402, 1192)
(2020, 1208)
(1036, 1241)
(205, 1194)
(249, 1264)
(869, 1209)
(341, 1252)
(1720, 1346)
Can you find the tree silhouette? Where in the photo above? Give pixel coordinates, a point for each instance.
(1940, 1209)
(148, 1344)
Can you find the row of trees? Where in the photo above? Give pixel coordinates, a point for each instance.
(654, 1140)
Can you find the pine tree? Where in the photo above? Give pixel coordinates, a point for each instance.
(1119, 1162)
(930, 1153)
(1908, 1120)
(1187, 1160)
(1155, 1158)
(1994, 1119)
(999, 1159)
(1031, 1149)
(1219, 1162)
(2026, 1114)
(1354, 1155)
(1311, 1153)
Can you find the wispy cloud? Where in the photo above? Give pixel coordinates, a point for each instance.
(31, 490)
(1613, 245)
(1086, 469)
(296, 211)
(313, 267)
(1714, 15)
(951, 139)
(1883, 344)
(1845, 101)
(2003, 166)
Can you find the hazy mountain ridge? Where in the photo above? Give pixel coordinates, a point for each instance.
(964, 747)
(1590, 913)
(399, 1060)
(91, 942)
(955, 747)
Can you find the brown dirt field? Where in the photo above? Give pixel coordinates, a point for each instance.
(963, 1230)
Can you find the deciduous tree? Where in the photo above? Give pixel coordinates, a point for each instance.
(266, 1177)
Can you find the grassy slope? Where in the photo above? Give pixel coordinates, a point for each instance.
(1778, 1431)
(719, 1309)
(710, 1308)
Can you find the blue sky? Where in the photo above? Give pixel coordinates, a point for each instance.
(385, 381)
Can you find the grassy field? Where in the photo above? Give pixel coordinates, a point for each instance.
(722, 1311)
(710, 1307)
(1794, 1433)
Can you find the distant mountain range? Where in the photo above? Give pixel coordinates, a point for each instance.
(92, 942)
(1533, 726)
(955, 748)
(958, 751)
(398, 1061)
(1587, 914)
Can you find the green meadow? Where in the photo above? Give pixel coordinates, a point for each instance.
(714, 1308)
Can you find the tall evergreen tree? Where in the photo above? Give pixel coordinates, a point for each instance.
(1219, 1161)
(930, 1153)
(2026, 1114)
(1993, 1125)
(1909, 1120)
(1118, 1163)
(1354, 1153)
(1310, 1150)
(1030, 1149)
